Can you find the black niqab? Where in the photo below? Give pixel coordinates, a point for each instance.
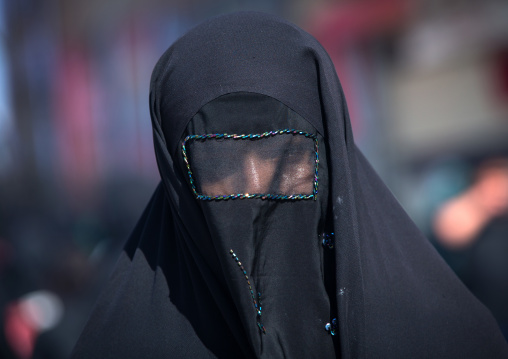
(178, 290)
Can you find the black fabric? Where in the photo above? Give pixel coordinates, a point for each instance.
(276, 241)
(177, 290)
(483, 268)
(282, 163)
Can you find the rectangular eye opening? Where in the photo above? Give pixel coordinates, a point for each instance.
(274, 165)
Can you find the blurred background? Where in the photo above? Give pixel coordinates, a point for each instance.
(427, 88)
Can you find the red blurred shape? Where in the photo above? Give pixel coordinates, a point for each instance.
(19, 332)
(342, 24)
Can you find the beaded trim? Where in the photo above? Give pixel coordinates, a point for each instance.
(257, 304)
(332, 328)
(252, 137)
(327, 240)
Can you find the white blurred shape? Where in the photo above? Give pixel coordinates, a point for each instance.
(42, 309)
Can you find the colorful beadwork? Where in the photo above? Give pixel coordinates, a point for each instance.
(331, 328)
(252, 137)
(327, 240)
(257, 304)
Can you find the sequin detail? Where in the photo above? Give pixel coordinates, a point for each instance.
(257, 303)
(327, 240)
(253, 136)
(332, 328)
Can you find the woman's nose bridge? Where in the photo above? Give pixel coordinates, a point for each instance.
(258, 173)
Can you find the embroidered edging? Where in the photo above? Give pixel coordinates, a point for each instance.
(252, 137)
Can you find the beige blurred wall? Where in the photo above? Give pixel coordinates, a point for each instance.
(447, 108)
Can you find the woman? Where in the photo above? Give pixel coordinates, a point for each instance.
(270, 234)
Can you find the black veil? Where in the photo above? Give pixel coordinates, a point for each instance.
(178, 290)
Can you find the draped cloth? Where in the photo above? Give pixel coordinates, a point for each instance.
(242, 270)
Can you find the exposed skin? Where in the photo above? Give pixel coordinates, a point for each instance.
(459, 221)
(259, 173)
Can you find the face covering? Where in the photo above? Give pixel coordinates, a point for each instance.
(256, 169)
(229, 259)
